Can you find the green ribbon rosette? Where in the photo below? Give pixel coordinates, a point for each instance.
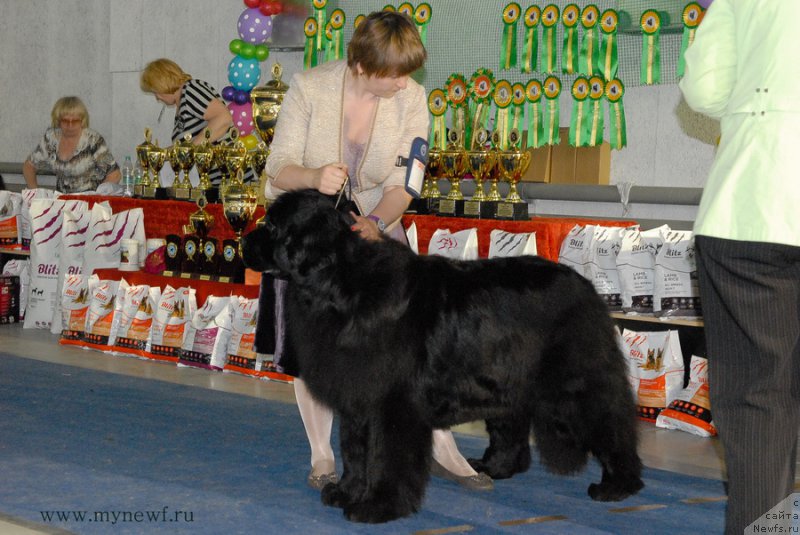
(407, 9)
(422, 16)
(508, 53)
(503, 97)
(617, 136)
(651, 48)
(692, 15)
(589, 56)
(533, 92)
(550, 114)
(311, 30)
(320, 16)
(597, 89)
(530, 56)
(456, 93)
(437, 105)
(609, 56)
(389, 7)
(569, 49)
(358, 20)
(518, 99)
(337, 22)
(329, 52)
(550, 17)
(577, 127)
(480, 90)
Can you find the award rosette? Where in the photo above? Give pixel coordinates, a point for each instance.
(319, 18)
(311, 30)
(389, 7)
(550, 114)
(588, 57)
(422, 16)
(692, 16)
(456, 93)
(358, 20)
(577, 125)
(407, 9)
(518, 100)
(550, 17)
(533, 93)
(508, 54)
(481, 88)
(437, 105)
(597, 89)
(336, 44)
(651, 48)
(503, 96)
(569, 49)
(616, 114)
(609, 21)
(530, 56)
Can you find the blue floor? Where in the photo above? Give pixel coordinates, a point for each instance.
(95, 452)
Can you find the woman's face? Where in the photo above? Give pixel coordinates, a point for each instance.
(386, 86)
(71, 124)
(167, 98)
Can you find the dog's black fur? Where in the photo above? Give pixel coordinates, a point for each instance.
(399, 344)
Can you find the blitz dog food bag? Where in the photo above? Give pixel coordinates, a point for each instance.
(461, 245)
(100, 314)
(241, 354)
(105, 234)
(136, 319)
(25, 225)
(207, 335)
(690, 411)
(175, 310)
(504, 244)
(413, 239)
(573, 249)
(636, 263)
(75, 297)
(10, 215)
(676, 291)
(22, 269)
(601, 264)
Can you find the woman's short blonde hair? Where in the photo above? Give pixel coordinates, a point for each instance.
(386, 43)
(163, 76)
(69, 106)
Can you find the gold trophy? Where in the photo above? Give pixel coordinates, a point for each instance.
(267, 100)
(257, 160)
(156, 158)
(142, 151)
(481, 163)
(512, 164)
(204, 160)
(239, 203)
(233, 160)
(181, 158)
(453, 164)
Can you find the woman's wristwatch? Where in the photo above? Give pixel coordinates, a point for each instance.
(378, 221)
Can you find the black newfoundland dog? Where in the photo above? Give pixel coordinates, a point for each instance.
(399, 344)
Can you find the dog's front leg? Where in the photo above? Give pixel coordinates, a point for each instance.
(353, 433)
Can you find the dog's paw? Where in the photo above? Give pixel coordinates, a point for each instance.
(333, 495)
(614, 491)
(372, 512)
(497, 470)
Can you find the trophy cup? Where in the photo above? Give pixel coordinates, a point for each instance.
(257, 160)
(267, 100)
(181, 158)
(204, 159)
(156, 158)
(141, 154)
(239, 203)
(453, 163)
(234, 160)
(200, 223)
(512, 164)
(481, 163)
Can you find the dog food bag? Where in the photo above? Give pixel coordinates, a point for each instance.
(207, 335)
(100, 314)
(503, 244)
(573, 249)
(46, 221)
(28, 196)
(9, 299)
(413, 239)
(461, 245)
(22, 269)
(690, 411)
(105, 234)
(636, 268)
(75, 298)
(136, 319)
(10, 215)
(676, 292)
(241, 354)
(175, 309)
(655, 364)
(601, 265)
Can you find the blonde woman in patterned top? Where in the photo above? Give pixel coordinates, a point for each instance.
(76, 154)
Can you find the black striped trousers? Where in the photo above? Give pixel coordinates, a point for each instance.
(750, 294)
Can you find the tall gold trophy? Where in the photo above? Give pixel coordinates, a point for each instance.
(257, 160)
(513, 163)
(204, 160)
(156, 157)
(181, 158)
(239, 202)
(142, 151)
(480, 163)
(453, 163)
(267, 100)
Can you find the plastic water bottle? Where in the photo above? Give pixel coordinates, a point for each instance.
(127, 177)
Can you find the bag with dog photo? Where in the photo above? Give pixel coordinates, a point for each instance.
(690, 411)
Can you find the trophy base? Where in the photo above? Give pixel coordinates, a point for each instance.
(480, 209)
(513, 211)
(212, 194)
(138, 190)
(197, 276)
(451, 208)
(180, 193)
(428, 206)
(150, 192)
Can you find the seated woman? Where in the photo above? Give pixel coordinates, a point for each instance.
(76, 154)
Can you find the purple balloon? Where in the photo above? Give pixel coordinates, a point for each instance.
(241, 97)
(228, 93)
(254, 27)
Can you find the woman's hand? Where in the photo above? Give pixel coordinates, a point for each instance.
(330, 178)
(366, 227)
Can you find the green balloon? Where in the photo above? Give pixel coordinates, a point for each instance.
(262, 52)
(247, 51)
(235, 46)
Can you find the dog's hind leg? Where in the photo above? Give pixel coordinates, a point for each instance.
(354, 437)
(509, 450)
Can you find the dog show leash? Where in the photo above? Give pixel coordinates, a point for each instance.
(341, 191)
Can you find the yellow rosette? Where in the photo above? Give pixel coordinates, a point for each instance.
(692, 15)
(422, 16)
(569, 50)
(609, 21)
(480, 89)
(577, 125)
(503, 97)
(518, 100)
(389, 7)
(437, 105)
(358, 20)
(550, 115)
(595, 126)
(550, 17)
(337, 23)
(530, 56)
(311, 30)
(406, 8)
(329, 51)
(589, 55)
(456, 93)
(617, 136)
(319, 16)
(533, 93)
(651, 48)
(508, 52)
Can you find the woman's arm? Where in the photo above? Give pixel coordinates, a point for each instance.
(328, 179)
(29, 172)
(113, 177)
(394, 202)
(219, 121)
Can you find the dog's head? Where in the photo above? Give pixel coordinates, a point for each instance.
(301, 235)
